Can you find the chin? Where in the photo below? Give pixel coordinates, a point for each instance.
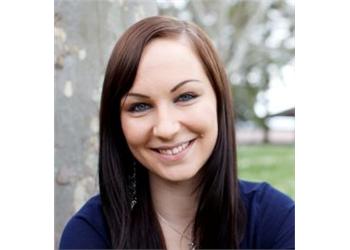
(179, 177)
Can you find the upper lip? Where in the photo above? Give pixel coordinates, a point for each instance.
(165, 147)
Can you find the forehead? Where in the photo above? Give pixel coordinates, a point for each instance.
(166, 50)
(168, 60)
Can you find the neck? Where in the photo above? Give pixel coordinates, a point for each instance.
(174, 201)
(175, 204)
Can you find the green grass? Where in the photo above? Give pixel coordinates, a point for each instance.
(271, 163)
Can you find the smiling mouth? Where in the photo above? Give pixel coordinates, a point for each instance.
(174, 150)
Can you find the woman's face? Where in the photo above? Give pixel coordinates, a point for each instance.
(169, 116)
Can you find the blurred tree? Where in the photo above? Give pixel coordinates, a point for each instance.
(255, 40)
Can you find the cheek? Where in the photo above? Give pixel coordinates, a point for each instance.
(204, 118)
(135, 131)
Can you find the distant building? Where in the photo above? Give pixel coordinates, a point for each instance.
(280, 135)
(288, 112)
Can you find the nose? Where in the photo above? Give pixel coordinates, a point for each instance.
(167, 124)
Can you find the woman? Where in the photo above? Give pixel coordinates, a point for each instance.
(167, 160)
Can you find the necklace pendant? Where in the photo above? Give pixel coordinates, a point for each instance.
(191, 246)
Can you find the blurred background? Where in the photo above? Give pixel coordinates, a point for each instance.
(255, 40)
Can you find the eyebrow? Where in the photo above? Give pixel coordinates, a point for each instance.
(177, 86)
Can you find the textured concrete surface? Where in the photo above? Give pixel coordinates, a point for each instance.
(85, 33)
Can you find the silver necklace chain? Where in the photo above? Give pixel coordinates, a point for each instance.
(191, 245)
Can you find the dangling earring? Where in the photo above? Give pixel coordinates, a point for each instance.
(132, 186)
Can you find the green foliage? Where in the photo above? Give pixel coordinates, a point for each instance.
(266, 162)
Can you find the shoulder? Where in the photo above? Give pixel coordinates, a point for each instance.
(270, 215)
(263, 194)
(87, 228)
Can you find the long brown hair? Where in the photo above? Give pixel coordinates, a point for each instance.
(220, 218)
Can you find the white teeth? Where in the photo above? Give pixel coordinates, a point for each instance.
(175, 150)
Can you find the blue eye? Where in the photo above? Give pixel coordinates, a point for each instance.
(186, 97)
(139, 107)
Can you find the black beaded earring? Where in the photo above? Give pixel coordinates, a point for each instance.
(132, 186)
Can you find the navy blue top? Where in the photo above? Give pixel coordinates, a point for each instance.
(270, 223)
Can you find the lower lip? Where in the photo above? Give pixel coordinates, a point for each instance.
(176, 157)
